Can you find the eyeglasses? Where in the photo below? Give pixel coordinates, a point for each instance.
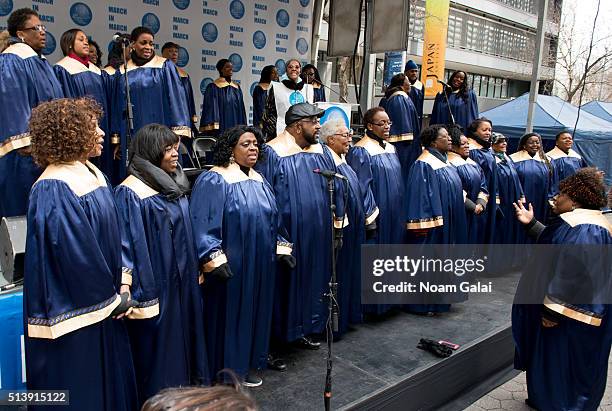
(38, 27)
(383, 123)
(345, 135)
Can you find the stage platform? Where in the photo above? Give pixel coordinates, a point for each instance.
(377, 365)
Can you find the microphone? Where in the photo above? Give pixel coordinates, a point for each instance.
(121, 38)
(314, 80)
(329, 174)
(444, 84)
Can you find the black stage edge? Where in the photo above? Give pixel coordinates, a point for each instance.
(378, 367)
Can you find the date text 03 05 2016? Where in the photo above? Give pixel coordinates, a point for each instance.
(34, 397)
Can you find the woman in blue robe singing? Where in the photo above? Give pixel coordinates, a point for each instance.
(474, 184)
(461, 99)
(260, 93)
(156, 91)
(378, 168)
(27, 80)
(310, 75)
(561, 316)
(73, 271)
(223, 104)
(158, 246)
(79, 77)
(564, 160)
(239, 239)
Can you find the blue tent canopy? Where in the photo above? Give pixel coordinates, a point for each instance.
(600, 109)
(593, 137)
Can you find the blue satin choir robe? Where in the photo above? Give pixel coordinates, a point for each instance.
(222, 108)
(485, 159)
(379, 170)
(260, 94)
(535, 179)
(158, 247)
(157, 96)
(319, 93)
(564, 165)
(191, 108)
(417, 95)
(464, 111)
(361, 210)
(236, 221)
(509, 190)
(73, 273)
(27, 80)
(405, 130)
(567, 365)
(303, 202)
(79, 80)
(474, 184)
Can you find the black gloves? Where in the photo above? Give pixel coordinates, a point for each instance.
(337, 238)
(371, 231)
(287, 259)
(222, 272)
(124, 305)
(435, 348)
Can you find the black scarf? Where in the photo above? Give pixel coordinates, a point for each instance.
(483, 143)
(139, 61)
(292, 85)
(172, 186)
(438, 154)
(373, 136)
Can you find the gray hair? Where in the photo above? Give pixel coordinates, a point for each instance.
(329, 128)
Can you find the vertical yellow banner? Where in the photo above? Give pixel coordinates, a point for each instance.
(434, 45)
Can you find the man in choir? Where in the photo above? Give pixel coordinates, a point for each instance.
(303, 202)
(223, 104)
(417, 90)
(461, 100)
(27, 80)
(310, 75)
(361, 212)
(260, 93)
(565, 161)
(283, 95)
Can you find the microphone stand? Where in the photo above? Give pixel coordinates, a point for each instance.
(344, 100)
(450, 113)
(128, 102)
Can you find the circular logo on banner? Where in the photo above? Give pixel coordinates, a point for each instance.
(259, 39)
(280, 66)
(282, 18)
(210, 32)
(236, 62)
(296, 98)
(50, 44)
(253, 87)
(81, 14)
(151, 21)
(305, 3)
(181, 4)
(6, 6)
(335, 113)
(301, 45)
(204, 83)
(237, 9)
(183, 57)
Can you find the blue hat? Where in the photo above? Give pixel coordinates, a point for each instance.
(411, 65)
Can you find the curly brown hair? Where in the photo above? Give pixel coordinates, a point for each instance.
(63, 130)
(585, 187)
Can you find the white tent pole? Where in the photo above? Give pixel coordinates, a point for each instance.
(535, 70)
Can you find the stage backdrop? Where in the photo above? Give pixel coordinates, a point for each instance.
(252, 34)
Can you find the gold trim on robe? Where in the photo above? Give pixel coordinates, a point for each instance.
(523, 155)
(65, 323)
(233, 174)
(184, 131)
(434, 162)
(144, 310)
(373, 148)
(209, 127)
(340, 222)
(425, 223)
(217, 259)
(396, 138)
(77, 175)
(156, 62)
(15, 143)
(284, 145)
(22, 51)
(484, 197)
(338, 159)
(283, 248)
(372, 217)
(569, 311)
(110, 70)
(126, 276)
(73, 66)
(557, 153)
(474, 145)
(139, 187)
(221, 83)
(584, 216)
(182, 73)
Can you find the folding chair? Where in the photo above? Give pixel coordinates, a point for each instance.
(202, 150)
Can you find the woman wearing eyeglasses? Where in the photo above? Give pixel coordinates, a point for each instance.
(310, 75)
(27, 80)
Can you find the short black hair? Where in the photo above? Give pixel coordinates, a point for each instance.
(93, 43)
(471, 130)
(224, 146)
(220, 64)
(151, 141)
(398, 80)
(523, 140)
(138, 31)
(368, 117)
(170, 45)
(316, 72)
(429, 134)
(266, 74)
(67, 40)
(17, 20)
(559, 134)
(455, 132)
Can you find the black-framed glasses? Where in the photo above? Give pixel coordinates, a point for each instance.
(383, 123)
(38, 27)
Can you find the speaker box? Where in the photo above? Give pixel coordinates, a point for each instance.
(12, 247)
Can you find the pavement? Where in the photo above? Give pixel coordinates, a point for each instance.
(511, 396)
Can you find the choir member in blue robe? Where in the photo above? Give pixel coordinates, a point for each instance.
(405, 127)
(27, 80)
(303, 202)
(417, 90)
(223, 104)
(361, 212)
(479, 136)
(156, 91)
(378, 168)
(74, 339)
(282, 95)
(474, 184)
(310, 75)
(462, 101)
(260, 93)
(564, 160)
(564, 342)
(158, 247)
(239, 238)
(79, 78)
(534, 171)
(95, 53)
